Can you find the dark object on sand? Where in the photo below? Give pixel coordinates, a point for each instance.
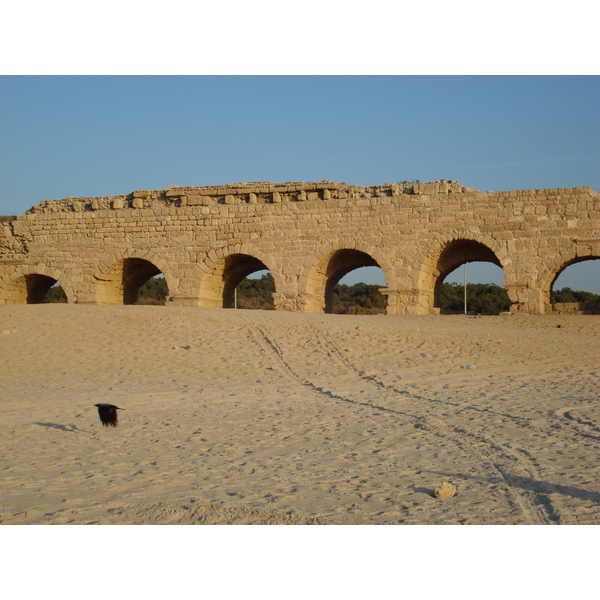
(108, 414)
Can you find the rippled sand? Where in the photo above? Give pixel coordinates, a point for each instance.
(267, 417)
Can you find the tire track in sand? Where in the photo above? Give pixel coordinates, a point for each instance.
(502, 459)
(536, 506)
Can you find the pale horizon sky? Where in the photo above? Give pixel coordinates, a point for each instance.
(86, 136)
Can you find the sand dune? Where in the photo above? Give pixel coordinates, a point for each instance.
(285, 418)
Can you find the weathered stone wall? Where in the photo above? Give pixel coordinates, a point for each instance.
(573, 308)
(205, 240)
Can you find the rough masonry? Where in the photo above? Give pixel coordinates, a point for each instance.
(205, 240)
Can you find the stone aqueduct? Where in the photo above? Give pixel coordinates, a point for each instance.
(205, 240)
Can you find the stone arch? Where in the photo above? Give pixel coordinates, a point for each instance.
(223, 271)
(558, 265)
(118, 280)
(450, 254)
(30, 284)
(317, 283)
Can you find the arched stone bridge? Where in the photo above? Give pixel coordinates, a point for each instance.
(205, 240)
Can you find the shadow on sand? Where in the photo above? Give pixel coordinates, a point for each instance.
(530, 485)
(71, 428)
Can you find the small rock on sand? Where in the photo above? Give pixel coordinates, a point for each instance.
(446, 490)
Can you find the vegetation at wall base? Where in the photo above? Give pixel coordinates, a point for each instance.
(256, 293)
(357, 299)
(360, 298)
(482, 298)
(56, 295)
(569, 295)
(154, 292)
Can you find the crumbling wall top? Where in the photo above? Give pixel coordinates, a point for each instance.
(267, 192)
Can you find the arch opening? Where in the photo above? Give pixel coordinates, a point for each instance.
(55, 295)
(575, 287)
(236, 268)
(485, 276)
(328, 273)
(485, 293)
(122, 282)
(153, 291)
(32, 288)
(357, 293)
(255, 292)
(219, 283)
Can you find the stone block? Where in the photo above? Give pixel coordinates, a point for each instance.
(193, 200)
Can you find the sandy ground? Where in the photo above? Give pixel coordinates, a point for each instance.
(260, 417)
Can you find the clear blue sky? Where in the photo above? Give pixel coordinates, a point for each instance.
(91, 135)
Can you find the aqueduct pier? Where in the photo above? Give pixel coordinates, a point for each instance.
(205, 240)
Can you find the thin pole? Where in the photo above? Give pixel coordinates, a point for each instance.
(235, 298)
(465, 284)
